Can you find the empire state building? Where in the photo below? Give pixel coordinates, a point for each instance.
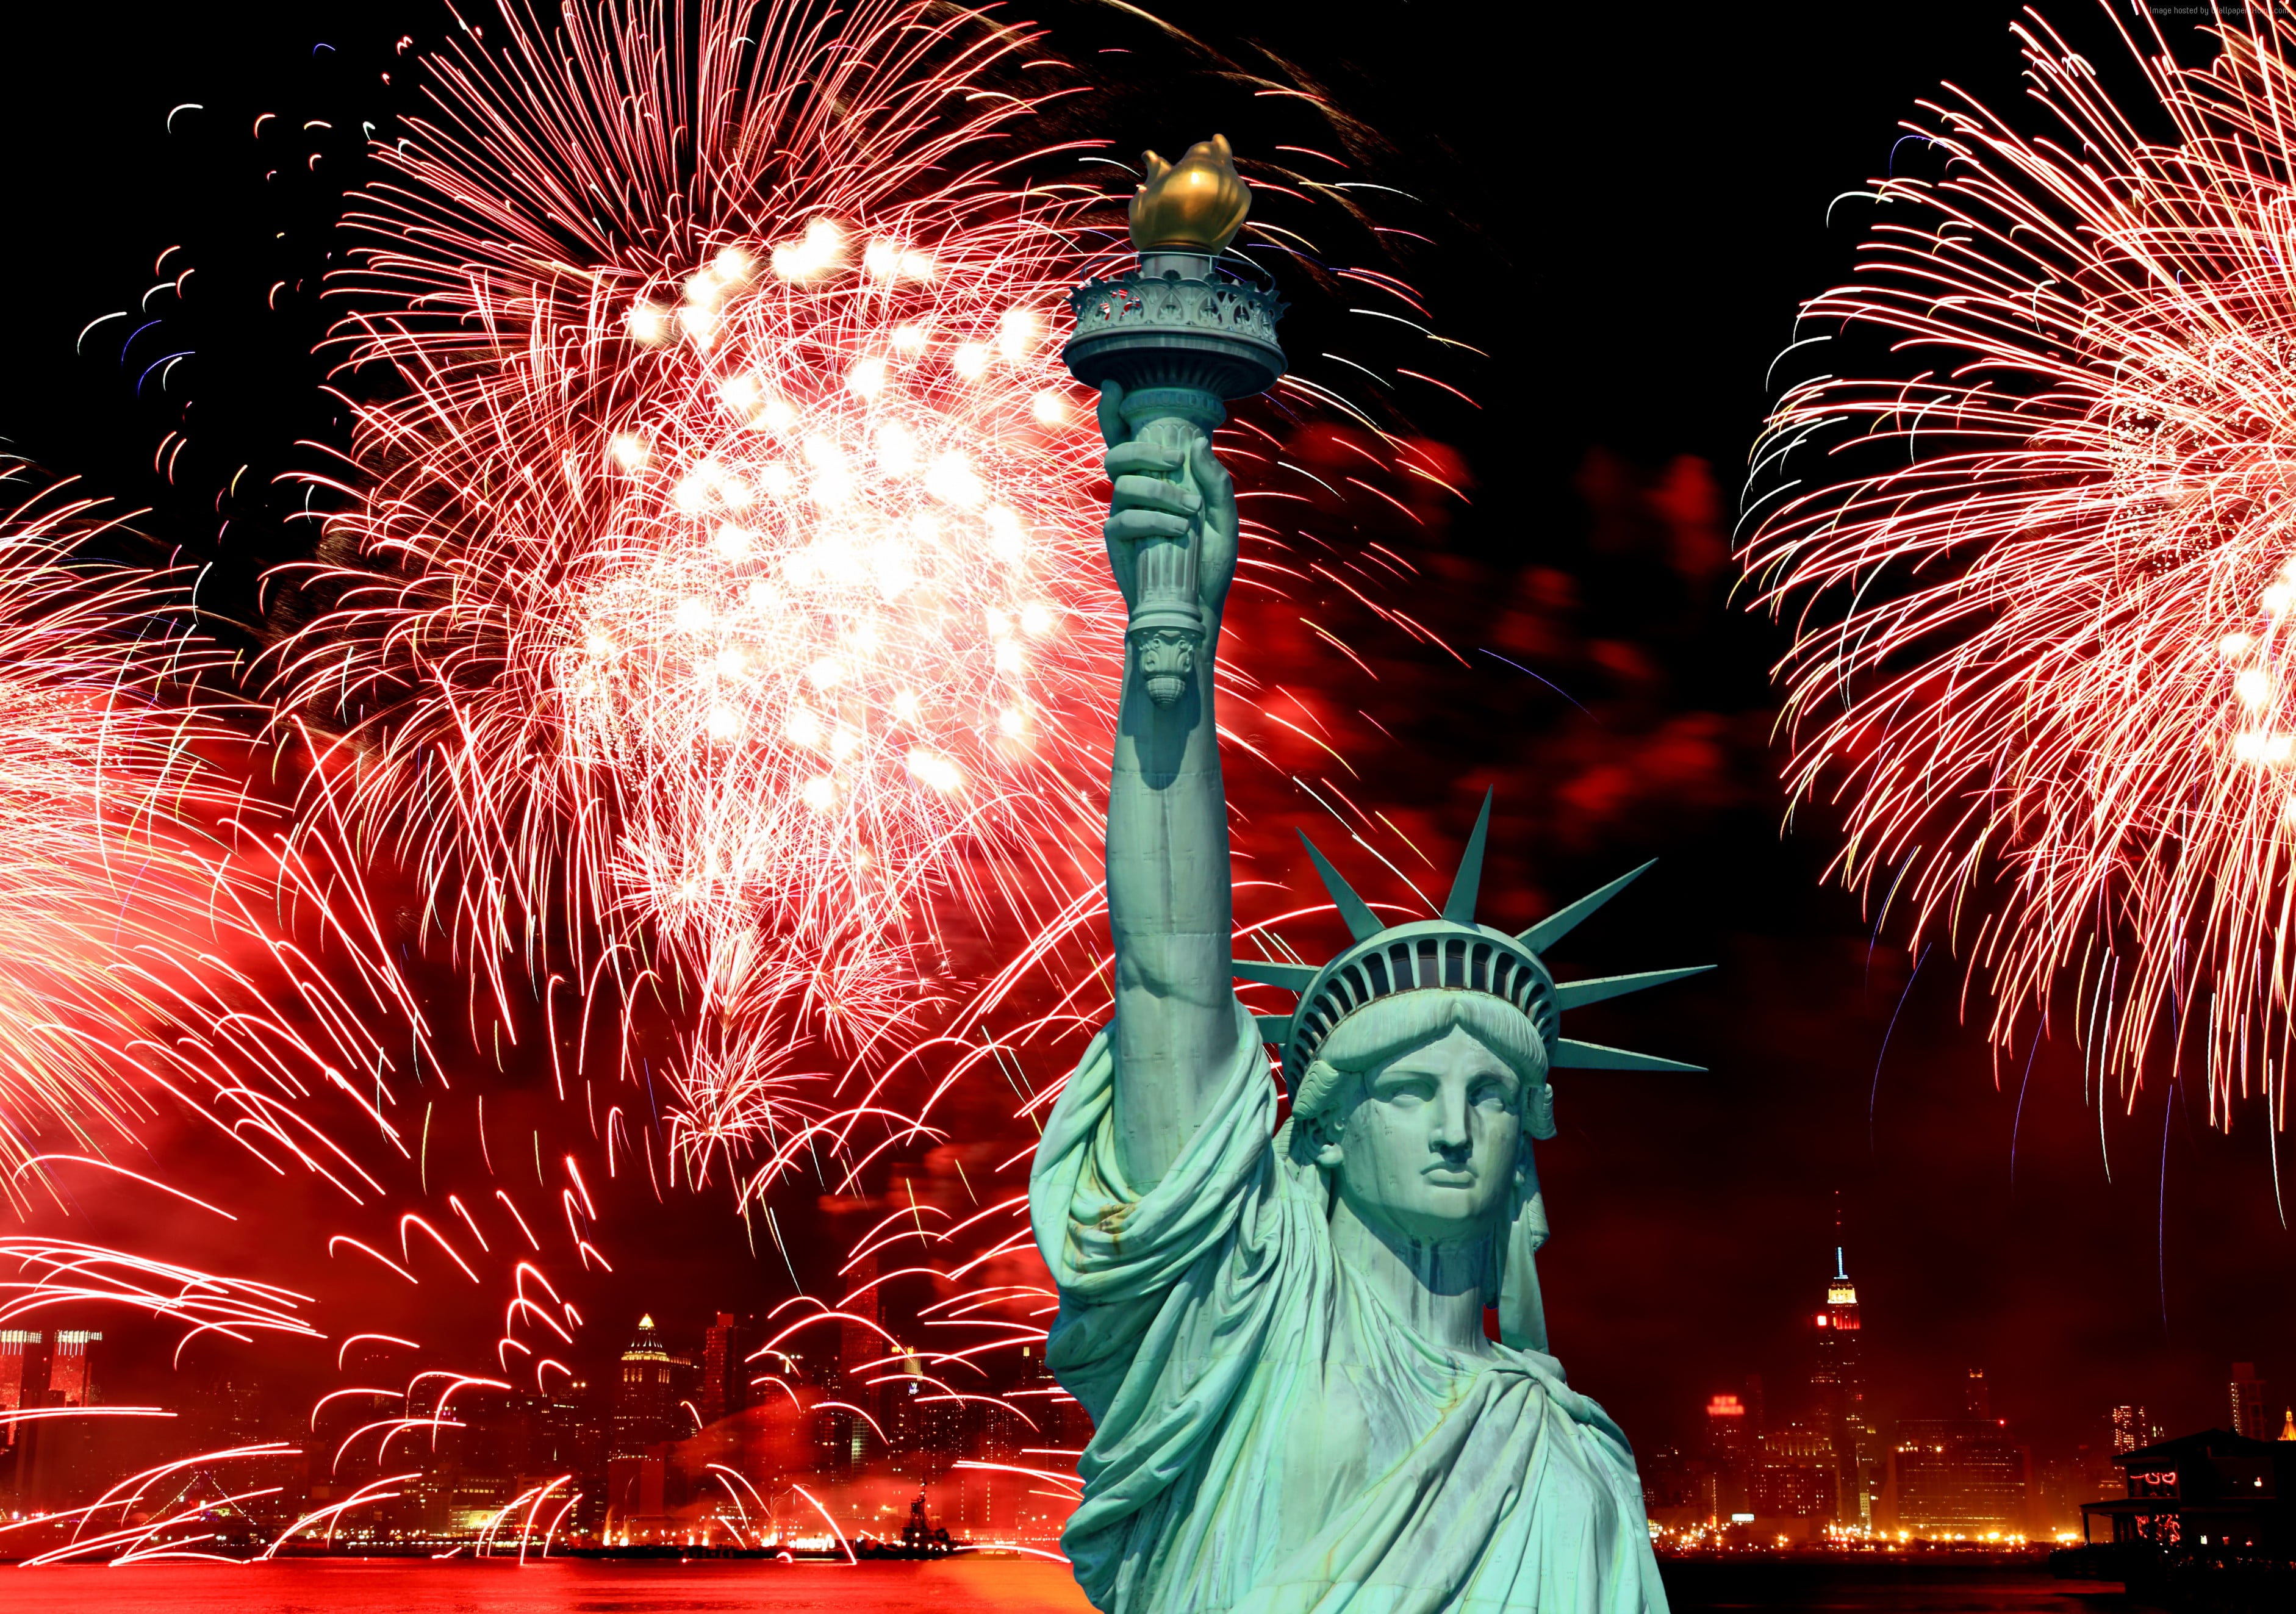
(1839, 1383)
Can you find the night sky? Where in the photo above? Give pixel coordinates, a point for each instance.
(1627, 204)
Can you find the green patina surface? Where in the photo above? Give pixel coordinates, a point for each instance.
(1279, 1334)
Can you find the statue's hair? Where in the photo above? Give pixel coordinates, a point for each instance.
(1387, 1027)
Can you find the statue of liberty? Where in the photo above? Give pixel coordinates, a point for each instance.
(1279, 1334)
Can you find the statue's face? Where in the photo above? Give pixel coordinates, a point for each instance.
(1428, 1146)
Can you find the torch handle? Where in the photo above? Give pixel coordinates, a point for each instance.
(1165, 569)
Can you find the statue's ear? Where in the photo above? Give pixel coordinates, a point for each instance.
(1323, 1133)
(1539, 1112)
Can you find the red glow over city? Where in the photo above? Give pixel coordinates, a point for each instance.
(556, 707)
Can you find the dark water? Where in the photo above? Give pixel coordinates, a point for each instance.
(1008, 1587)
(1703, 1587)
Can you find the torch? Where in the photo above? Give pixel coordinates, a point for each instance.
(1181, 334)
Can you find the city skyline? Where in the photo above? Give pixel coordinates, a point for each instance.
(852, 1417)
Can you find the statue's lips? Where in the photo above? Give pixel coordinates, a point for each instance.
(1448, 1176)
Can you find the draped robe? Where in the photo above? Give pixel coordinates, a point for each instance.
(1270, 1437)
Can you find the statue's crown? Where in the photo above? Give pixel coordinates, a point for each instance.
(1455, 952)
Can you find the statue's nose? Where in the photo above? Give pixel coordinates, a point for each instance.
(1451, 1137)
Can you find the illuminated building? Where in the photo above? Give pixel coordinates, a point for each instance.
(645, 1395)
(1839, 1383)
(2204, 1492)
(19, 1348)
(1674, 1486)
(726, 1346)
(1795, 1480)
(1732, 1432)
(646, 1417)
(987, 1499)
(1729, 1435)
(236, 1401)
(51, 1461)
(1963, 1477)
(575, 1425)
(2251, 1412)
(70, 1369)
(861, 1350)
(2132, 1427)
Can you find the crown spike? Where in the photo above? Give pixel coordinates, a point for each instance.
(1569, 1055)
(1559, 924)
(1268, 972)
(1360, 921)
(1575, 994)
(1459, 907)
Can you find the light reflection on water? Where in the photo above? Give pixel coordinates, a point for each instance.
(559, 1586)
(1706, 1587)
(953, 1586)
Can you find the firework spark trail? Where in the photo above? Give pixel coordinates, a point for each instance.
(735, 740)
(106, 872)
(141, 956)
(724, 560)
(2043, 656)
(727, 600)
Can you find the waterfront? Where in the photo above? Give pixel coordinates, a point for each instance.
(1006, 1586)
(398, 1586)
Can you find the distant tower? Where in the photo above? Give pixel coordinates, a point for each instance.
(2131, 1428)
(861, 1349)
(863, 1355)
(1731, 1441)
(71, 1381)
(726, 1367)
(2251, 1414)
(1978, 1397)
(1839, 1383)
(643, 1398)
(17, 1349)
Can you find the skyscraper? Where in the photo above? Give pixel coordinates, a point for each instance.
(863, 1357)
(1959, 1477)
(1963, 1477)
(18, 1380)
(1796, 1476)
(1839, 1383)
(70, 1379)
(1731, 1439)
(2251, 1415)
(2132, 1427)
(725, 1367)
(645, 1397)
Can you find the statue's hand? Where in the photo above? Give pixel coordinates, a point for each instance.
(1167, 490)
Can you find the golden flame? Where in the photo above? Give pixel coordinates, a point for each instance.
(1194, 205)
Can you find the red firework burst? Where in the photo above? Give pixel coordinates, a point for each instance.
(2043, 657)
(724, 561)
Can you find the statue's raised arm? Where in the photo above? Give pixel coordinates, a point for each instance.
(1280, 1332)
(1171, 535)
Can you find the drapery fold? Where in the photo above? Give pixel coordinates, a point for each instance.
(1207, 1323)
